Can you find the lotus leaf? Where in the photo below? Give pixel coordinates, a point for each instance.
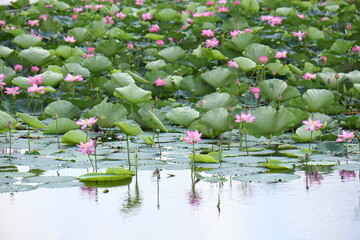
(108, 113)
(156, 122)
(103, 177)
(30, 120)
(80, 34)
(217, 100)
(21, 82)
(137, 77)
(27, 41)
(167, 14)
(5, 118)
(183, 116)
(218, 77)
(256, 50)
(267, 177)
(98, 64)
(52, 78)
(133, 94)
(217, 119)
(129, 128)
(302, 135)
(340, 46)
(246, 64)
(60, 126)
(277, 164)
(315, 99)
(74, 137)
(75, 69)
(109, 47)
(61, 108)
(270, 122)
(203, 158)
(5, 52)
(36, 56)
(119, 171)
(154, 36)
(172, 54)
(67, 51)
(241, 41)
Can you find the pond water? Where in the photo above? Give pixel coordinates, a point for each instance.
(166, 205)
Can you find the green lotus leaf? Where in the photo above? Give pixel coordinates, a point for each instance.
(154, 36)
(74, 137)
(103, 177)
(147, 139)
(277, 90)
(266, 177)
(109, 47)
(315, 99)
(20, 3)
(183, 116)
(348, 167)
(167, 14)
(331, 146)
(241, 41)
(27, 40)
(172, 54)
(219, 77)
(156, 122)
(5, 118)
(80, 34)
(217, 100)
(21, 82)
(129, 128)
(315, 34)
(144, 119)
(301, 135)
(203, 158)
(155, 65)
(251, 6)
(340, 46)
(321, 163)
(31, 121)
(108, 113)
(133, 94)
(36, 56)
(5, 52)
(235, 23)
(277, 164)
(75, 69)
(119, 171)
(354, 76)
(60, 126)
(98, 64)
(246, 64)
(333, 80)
(278, 68)
(195, 86)
(67, 51)
(256, 50)
(217, 55)
(9, 73)
(61, 108)
(217, 119)
(137, 77)
(270, 122)
(285, 11)
(52, 78)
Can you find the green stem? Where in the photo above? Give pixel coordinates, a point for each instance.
(92, 165)
(193, 159)
(310, 140)
(246, 144)
(95, 160)
(57, 132)
(29, 139)
(10, 146)
(128, 150)
(240, 136)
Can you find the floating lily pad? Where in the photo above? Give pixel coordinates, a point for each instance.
(4, 188)
(348, 167)
(103, 177)
(267, 177)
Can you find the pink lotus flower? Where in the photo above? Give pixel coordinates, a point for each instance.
(236, 32)
(71, 78)
(263, 59)
(74, 17)
(78, 9)
(120, 15)
(281, 54)
(312, 125)
(213, 42)
(87, 55)
(223, 9)
(222, 1)
(44, 17)
(324, 59)
(309, 76)
(207, 33)
(147, 16)
(348, 26)
(300, 35)
(301, 16)
(139, 2)
(275, 21)
(33, 23)
(98, 6)
(154, 28)
(256, 92)
(2, 78)
(210, 3)
(36, 89)
(84, 123)
(91, 49)
(35, 69)
(86, 148)
(160, 82)
(2, 22)
(159, 42)
(233, 64)
(236, 2)
(204, 14)
(356, 48)
(12, 91)
(245, 118)
(130, 46)
(70, 39)
(18, 67)
(345, 136)
(36, 80)
(324, 19)
(193, 137)
(108, 20)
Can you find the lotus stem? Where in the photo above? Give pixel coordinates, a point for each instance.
(311, 132)
(95, 160)
(158, 137)
(10, 144)
(128, 150)
(246, 143)
(240, 136)
(29, 139)
(91, 162)
(193, 160)
(57, 132)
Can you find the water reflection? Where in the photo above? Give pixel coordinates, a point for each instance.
(133, 199)
(89, 192)
(347, 174)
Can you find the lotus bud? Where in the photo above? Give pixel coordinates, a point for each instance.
(228, 108)
(337, 76)
(9, 125)
(279, 97)
(237, 82)
(231, 127)
(201, 103)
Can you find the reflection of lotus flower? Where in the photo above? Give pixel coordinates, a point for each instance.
(192, 137)
(194, 198)
(315, 177)
(347, 174)
(345, 136)
(312, 125)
